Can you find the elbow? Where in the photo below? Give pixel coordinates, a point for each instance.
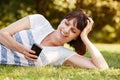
(3, 33)
(3, 36)
(103, 67)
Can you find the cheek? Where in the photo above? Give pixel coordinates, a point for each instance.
(74, 36)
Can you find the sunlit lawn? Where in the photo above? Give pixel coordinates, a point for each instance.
(111, 53)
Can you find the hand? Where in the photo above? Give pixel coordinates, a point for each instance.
(29, 54)
(87, 29)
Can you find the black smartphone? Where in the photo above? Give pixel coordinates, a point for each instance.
(37, 49)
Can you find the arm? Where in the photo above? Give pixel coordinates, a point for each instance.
(96, 57)
(7, 39)
(7, 33)
(96, 61)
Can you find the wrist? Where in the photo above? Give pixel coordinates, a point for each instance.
(20, 48)
(84, 37)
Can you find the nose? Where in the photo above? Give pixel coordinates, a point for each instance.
(67, 30)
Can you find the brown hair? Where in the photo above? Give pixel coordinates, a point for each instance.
(81, 19)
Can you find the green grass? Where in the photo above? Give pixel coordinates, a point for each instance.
(111, 52)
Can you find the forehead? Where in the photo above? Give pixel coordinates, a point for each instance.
(73, 23)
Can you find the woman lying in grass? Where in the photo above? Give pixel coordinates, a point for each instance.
(17, 38)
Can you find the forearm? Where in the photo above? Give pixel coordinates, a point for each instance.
(96, 56)
(9, 42)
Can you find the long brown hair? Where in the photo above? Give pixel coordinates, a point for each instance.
(81, 19)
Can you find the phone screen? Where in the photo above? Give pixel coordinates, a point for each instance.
(37, 49)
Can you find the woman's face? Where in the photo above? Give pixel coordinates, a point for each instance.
(67, 30)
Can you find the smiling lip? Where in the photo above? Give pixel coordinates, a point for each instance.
(62, 34)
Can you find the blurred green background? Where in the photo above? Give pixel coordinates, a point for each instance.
(105, 13)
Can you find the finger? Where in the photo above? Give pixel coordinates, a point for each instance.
(31, 55)
(90, 20)
(29, 58)
(31, 51)
(89, 25)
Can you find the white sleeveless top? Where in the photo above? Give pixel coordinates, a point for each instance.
(40, 28)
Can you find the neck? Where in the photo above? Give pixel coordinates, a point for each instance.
(51, 40)
(54, 41)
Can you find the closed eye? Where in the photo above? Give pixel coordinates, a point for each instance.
(73, 30)
(67, 23)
